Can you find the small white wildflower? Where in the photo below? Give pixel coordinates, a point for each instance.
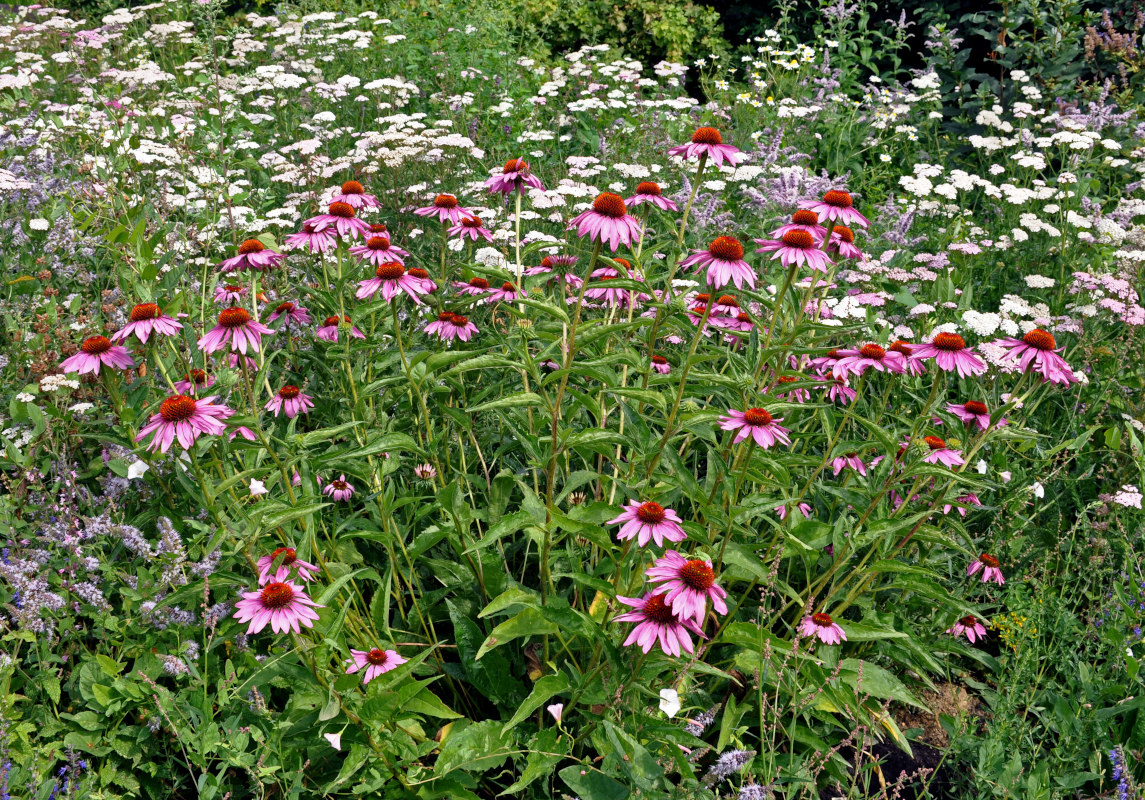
(669, 702)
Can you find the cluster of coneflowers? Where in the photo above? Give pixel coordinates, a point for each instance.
(677, 605)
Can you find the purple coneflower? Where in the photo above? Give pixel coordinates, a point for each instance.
(291, 401)
(791, 395)
(796, 248)
(474, 287)
(229, 294)
(378, 250)
(506, 294)
(856, 361)
(425, 472)
(420, 275)
(342, 220)
(392, 279)
(446, 208)
(290, 560)
(145, 319)
(837, 389)
(376, 662)
(339, 489)
(471, 228)
(619, 298)
(237, 328)
(969, 627)
(709, 142)
(843, 242)
(293, 313)
(756, 423)
(647, 522)
(607, 221)
(280, 604)
(851, 460)
(973, 412)
(801, 220)
(837, 206)
(313, 239)
(803, 508)
(328, 330)
(724, 260)
(97, 352)
(354, 195)
(649, 192)
(449, 325)
(514, 177)
(687, 585)
(253, 255)
(823, 628)
(661, 365)
(184, 418)
(968, 499)
(940, 453)
(950, 353)
(990, 569)
(656, 622)
(1036, 349)
(561, 263)
(194, 381)
(913, 366)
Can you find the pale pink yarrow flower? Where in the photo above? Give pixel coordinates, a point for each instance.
(280, 604)
(724, 261)
(687, 585)
(1036, 350)
(305, 570)
(449, 325)
(856, 361)
(252, 255)
(796, 249)
(756, 423)
(184, 418)
(950, 353)
(656, 623)
(378, 250)
(708, 142)
(291, 401)
(392, 280)
(97, 352)
(649, 192)
(838, 206)
(607, 221)
(989, 567)
(338, 490)
(376, 662)
(145, 319)
(969, 627)
(354, 195)
(238, 329)
(515, 176)
(823, 628)
(647, 522)
(446, 208)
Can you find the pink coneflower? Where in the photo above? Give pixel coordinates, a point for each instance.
(446, 208)
(990, 569)
(661, 365)
(792, 395)
(687, 585)
(293, 313)
(378, 250)
(338, 490)
(561, 264)
(856, 361)
(184, 418)
(803, 508)
(328, 330)
(281, 604)
(941, 454)
(973, 412)
(823, 628)
(843, 242)
(657, 623)
(801, 220)
(422, 277)
(796, 248)
(291, 401)
(724, 260)
(756, 423)
(236, 327)
(313, 239)
(236, 361)
(253, 255)
(648, 521)
(392, 279)
(290, 560)
(950, 353)
(471, 228)
(425, 472)
(506, 294)
(851, 460)
(1036, 349)
(449, 325)
(97, 352)
(342, 220)
(145, 319)
(194, 381)
(607, 221)
(709, 142)
(837, 389)
(969, 627)
(229, 293)
(620, 298)
(906, 349)
(649, 192)
(514, 177)
(376, 662)
(474, 287)
(354, 195)
(968, 499)
(837, 206)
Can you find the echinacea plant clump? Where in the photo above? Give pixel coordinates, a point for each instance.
(388, 413)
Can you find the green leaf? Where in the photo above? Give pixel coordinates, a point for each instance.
(543, 691)
(529, 622)
(592, 784)
(476, 748)
(547, 749)
(513, 596)
(512, 401)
